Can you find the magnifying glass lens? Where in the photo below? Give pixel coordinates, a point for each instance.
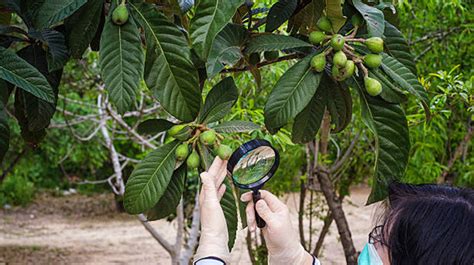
(254, 165)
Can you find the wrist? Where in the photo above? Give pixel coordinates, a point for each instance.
(212, 249)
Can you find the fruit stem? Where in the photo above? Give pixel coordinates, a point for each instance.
(364, 70)
(328, 51)
(349, 47)
(349, 52)
(362, 40)
(354, 32)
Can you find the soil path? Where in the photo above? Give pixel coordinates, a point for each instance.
(87, 230)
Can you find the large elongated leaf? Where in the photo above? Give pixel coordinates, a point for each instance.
(373, 16)
(219, 101)
(210, 18)
(169, 71)
(171, 197)
(53, 11)
(308, 121)
(20, 73)
(305, 20)
(339, 105)
(334, 13)
(236, 126)
(392, 144)
(274, 42)
(121, 62)
(279, 13)
(154, 126)
(149, 179)
(291, 94)
(398, 47)
(82, 26)
(406, 79)
(228, 204)
(226, 49)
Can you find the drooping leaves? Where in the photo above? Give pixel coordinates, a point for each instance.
(210, 18)
(171, 197)
(236, 127)
(406, 80)
(291, 94)
(398, 47)
(22, 74)
(54, 11)
(226, 49)
(339, 105)
(219, 101)
(149, 179)
(334, 13)
(82, 26)
(169, 71)
(279, 13)
(121, 63)
(154, 126)
(392, 144)
(308, 121)
(274, 42)
(373, 16)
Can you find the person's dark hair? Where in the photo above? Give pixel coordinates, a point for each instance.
(429, 224)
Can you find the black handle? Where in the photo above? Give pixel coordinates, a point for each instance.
(256, 196)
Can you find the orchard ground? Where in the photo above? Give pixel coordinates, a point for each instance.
(88, 230)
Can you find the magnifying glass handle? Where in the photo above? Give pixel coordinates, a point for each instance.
(258, 219)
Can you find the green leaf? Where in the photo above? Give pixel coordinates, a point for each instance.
(58, 52)
(54, 11)
(219, 101)
(236, 127)
(308, 121)
(169, 71)
(228, 204)
(305, 20)
(154, 126)
(149, 179)
(274, 42)
(82, 26)
(373, 17)
(171, 197)
(121, 62)
(334, 13)
(339, 105)
(210, 18)
(406, 80)
(226, 49)
(390, 92)
(392, 144)
(291, 94)
(4, 128)
(279, 13)
(22, 74)
(397, 47)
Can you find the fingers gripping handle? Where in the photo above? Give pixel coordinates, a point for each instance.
(258, 219)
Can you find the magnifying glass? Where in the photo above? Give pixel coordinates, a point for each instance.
(251, 165)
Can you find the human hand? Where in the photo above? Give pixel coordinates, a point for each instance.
(214, 236)
(282, 240)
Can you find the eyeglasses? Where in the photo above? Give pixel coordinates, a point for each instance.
(376, 235)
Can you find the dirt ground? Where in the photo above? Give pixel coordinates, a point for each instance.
(88, 230)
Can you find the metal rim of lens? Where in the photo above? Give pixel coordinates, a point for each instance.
(244, 149)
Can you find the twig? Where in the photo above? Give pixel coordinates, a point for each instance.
(165, 244)
(346, 155)
(264, 63)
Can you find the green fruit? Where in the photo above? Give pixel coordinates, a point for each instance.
(318, 62)
(337, 42)
(336, 74)
(254, 58)
(208, 137)
(316, 37)
(193, 160)
(176, 129)
(372, 86)
(339, 59)
(182, 151)
(348, 69)
(120, 15)
(271, 55)
(374, 44)
(373, 60)
(357, 20)
(224, 152)
(324, 24)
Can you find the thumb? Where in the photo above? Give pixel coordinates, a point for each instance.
(263, 210)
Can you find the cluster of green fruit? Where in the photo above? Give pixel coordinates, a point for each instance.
(344, 57)
(120, 14)
(189, 135)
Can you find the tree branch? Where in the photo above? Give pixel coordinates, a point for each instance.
(165, 244)
(346, 155)
(264, 63)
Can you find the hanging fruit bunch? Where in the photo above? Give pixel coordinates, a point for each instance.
(189, 135)
(339, 53)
